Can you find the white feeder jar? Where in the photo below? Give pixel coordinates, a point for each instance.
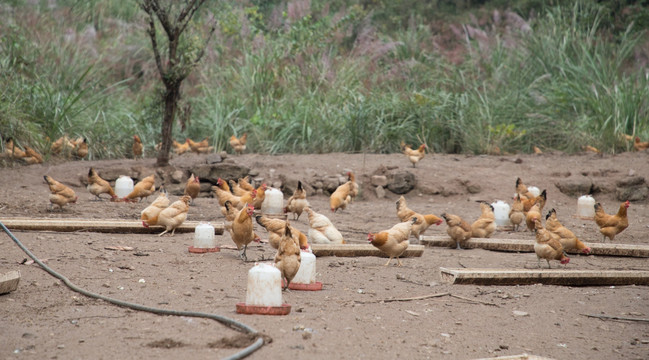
(264, 286)
(306, 272)
(586, 206)
(501, 213)
(204, 236)
(273, 202)
(123, 186)
(534, 190)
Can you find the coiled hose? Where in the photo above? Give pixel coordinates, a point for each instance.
(222, 319)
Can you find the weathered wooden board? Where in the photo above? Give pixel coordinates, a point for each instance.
(545, 276)
(517, 357)
(96, 225)
(351, 250)
(9, 282)
(520, 245)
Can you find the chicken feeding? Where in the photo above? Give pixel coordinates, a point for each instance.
(142, 189)
(414, 155)
(611, 225)
(241, 230)
(288, 258)
(180, 148)
(138, 148)
(529, 202)
(98, 186)
(566, 237)
(458, 229)
(516, 214)
(485, 226)
(547, 245)
(13, 151)
(62, 145)
(81, 148)
(404, 213)
(640, 145)
(341, 197)
(297, 202)
(239, 144)
(322, 230)
(245, 184)
(225, 195)
(174, 215)
(393, 242)
(521, 189)
(59, 193)
(353, 185)
(32, 156)
(260, 195)
(149, 215)
(275, 228)
(533, 213)
(236, 189)
(192, 187)
(200, 147)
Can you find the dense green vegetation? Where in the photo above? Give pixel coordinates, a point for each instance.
(343, 75)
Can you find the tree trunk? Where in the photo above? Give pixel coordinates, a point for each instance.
(171, 103)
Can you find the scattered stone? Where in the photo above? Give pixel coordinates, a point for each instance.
(214, 158)
(520, 313)
(379, 180)
(632, 188)
(401, 182)
(576, 186)
(177, 177)
(380, 192)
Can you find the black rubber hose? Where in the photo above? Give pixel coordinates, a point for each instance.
(222, 319)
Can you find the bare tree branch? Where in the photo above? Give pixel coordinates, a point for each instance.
(186, 16)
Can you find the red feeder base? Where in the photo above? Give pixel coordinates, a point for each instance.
(242, 308)
(196, 250)
(305, 287)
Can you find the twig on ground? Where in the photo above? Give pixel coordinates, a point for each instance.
(405, 299)
(607, 317)
(473, 300)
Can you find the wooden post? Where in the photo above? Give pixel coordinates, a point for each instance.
(97, 225)
(9, 282)
(351, 250)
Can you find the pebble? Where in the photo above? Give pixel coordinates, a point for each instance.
(61, 346)
(520, 313)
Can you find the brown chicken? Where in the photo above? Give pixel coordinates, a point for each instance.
(62, 145)
(244, 184)
(275, 228)
(149, 215)
(174, 215)
(13, 151)
(423, 222)
(236, 189)
(537, 151)
(142, 189)
(393, 242)
(529, 202)
(59, 193)
(639, 145)
(288, 258)
(414, 155)
(242, 230)
(225, 195)
(516, 214)
(297, 202)
(459, 230)
(522, 190)
(322, 230)
(239, 144)
(485, 226)
(353, 185)
(547, 245)
(588, 148)
(534, 213)
(260, 195)
(200, 147)
(611, 225)
(340, 198)
(98, 186)
(193, 187)
(138, 148)
(566, 237)
(81, 148)
(180, 148)
(32, 156)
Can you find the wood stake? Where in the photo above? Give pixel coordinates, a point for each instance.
(352, 250)
(97, 225)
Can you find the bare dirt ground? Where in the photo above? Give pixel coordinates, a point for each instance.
(43, 319)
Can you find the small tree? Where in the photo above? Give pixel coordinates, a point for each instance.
(174, 16)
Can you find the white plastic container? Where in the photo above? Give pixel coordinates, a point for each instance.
(273, 202)
(264, 286)
(204, 236)
(501, 213)
(306, 272)
(586, 206)
(123, 186)
(534, 190)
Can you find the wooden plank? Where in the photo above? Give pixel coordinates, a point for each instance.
(517, 357)
(350, 250)
(521, 245)
(97, 225)
(545, 276)
(9, 282)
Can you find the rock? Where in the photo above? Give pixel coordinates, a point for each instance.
(630, 181)
(330, 183)
(379, 180)
(177, 177)
(520, 313)
(576, 186)
(632, 188)
(401, 182)
(113, 174)
(380, 192)
(227, 171)
(214, 159)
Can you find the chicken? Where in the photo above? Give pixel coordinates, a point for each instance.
(200, 147)
(98, 186)
(62, 145)
(81, 149)
(260, 195)
(242, 230)
(611, 225)
(13, 151)
(275, 228)
(193, 187)
(639, 145)
(32, 156)
(174, 215)
(353, 186)
(547, 245)
(288, 258)
(225, 195)
(142, 189)
(149, 215)
(588, 148)
(321, 230)
(533, 213)
(414, 155)
(239, 144)
(138, 148)
(423, 221)
(521, 189)
(516, 214)
(566, 237)
(180, 148)
(244, 184)
(393, 242)
(529, 202)
(297, 202)
(59, 193)
(485, 226)
(341, 197)
(459, 230)
(537, 151)
(236, 188)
